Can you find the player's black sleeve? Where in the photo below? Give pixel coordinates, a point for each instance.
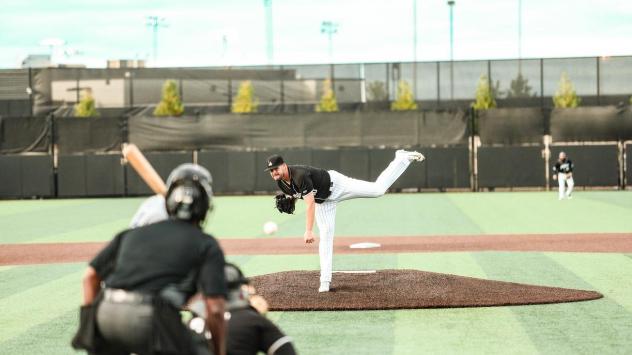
(570, 166)
(105, 261)
(556, 168)
(211, 277)
(273, 341)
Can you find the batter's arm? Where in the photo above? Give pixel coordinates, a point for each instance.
(309, 217)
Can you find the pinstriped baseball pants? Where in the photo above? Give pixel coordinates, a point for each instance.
(345, 188)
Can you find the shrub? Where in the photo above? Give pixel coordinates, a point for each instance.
(405, 99)
(328, 101)
(484, 95)
(245, 101)
(565, 95)
(170, 105)
(86, 106)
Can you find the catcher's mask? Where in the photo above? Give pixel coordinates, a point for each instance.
(237, 293)
(189, 193)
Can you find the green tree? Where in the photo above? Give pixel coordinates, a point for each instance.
(170, 105)
(485, 96)
(328, 101)
(86, 106)
(519, 87)
(565, 95)
(245, 101)
(405, 100)
(377, 91)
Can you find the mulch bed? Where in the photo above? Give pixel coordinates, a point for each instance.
(402, 289)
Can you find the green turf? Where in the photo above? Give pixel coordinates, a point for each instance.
(41, 301)
(393, 214)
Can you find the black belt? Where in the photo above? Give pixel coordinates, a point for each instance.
(123, 296)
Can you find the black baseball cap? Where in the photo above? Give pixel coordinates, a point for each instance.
(273, 162)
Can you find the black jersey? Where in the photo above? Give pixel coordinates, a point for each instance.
(306, 179)
(250, 333)
(168, 253)
(565, 166)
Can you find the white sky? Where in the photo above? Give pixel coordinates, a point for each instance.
(369, 31)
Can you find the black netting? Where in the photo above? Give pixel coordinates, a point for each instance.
(24, 134)
(607, 123)
(511, 126)
(308, 130)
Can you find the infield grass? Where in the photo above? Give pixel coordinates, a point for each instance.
(38, 303)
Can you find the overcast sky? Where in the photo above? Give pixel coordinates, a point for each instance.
(208, 33)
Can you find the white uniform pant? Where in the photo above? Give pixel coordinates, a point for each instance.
(345, 188)
(564, 181)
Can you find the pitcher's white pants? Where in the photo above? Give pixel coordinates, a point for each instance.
(562, 180)
(345, 188)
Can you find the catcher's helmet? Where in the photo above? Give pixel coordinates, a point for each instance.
(189, 193)
(234, 277)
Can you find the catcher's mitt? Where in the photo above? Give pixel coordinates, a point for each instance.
(285, 204)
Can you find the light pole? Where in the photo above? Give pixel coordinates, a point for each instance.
(519, 36)
(415, 49)
(451, 4)
(330, 28)
(154, 22)
(269, 38)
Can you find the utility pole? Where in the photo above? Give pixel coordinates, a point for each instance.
(330, 28)
(269, 32)
(155, 22)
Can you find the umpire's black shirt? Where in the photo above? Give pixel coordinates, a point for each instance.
(305, 179)
(149, 258)
(250, 333)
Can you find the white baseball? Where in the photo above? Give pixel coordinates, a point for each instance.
(270, 228)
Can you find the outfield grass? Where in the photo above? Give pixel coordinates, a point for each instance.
(40, 301)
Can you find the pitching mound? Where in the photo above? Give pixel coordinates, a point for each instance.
(402, 289)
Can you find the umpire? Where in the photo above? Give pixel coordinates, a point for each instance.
(148, 273)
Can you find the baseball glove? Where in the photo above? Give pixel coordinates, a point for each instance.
(285, 204)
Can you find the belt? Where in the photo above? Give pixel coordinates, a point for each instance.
(123, 296)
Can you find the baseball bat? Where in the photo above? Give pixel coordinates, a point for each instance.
(137, 160)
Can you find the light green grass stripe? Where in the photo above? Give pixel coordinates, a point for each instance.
(39, 304)
(445, 331)
(590, 327)
(610, 274)
(20, 278)
(541, 212)
(51, 337)
(369, 332)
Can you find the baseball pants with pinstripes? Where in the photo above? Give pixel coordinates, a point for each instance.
(345, 188)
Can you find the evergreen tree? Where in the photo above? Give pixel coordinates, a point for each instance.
(376, 91)
(519, 87)
(484, 95)
(328, 101)
(405, 100)
(565, 96)
(86, 106)
(170, 105)
(245, 101)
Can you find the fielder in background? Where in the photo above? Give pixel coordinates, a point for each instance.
(322, 190)
(149, 273)
(563, 173)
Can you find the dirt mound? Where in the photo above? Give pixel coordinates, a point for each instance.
(402, 289)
